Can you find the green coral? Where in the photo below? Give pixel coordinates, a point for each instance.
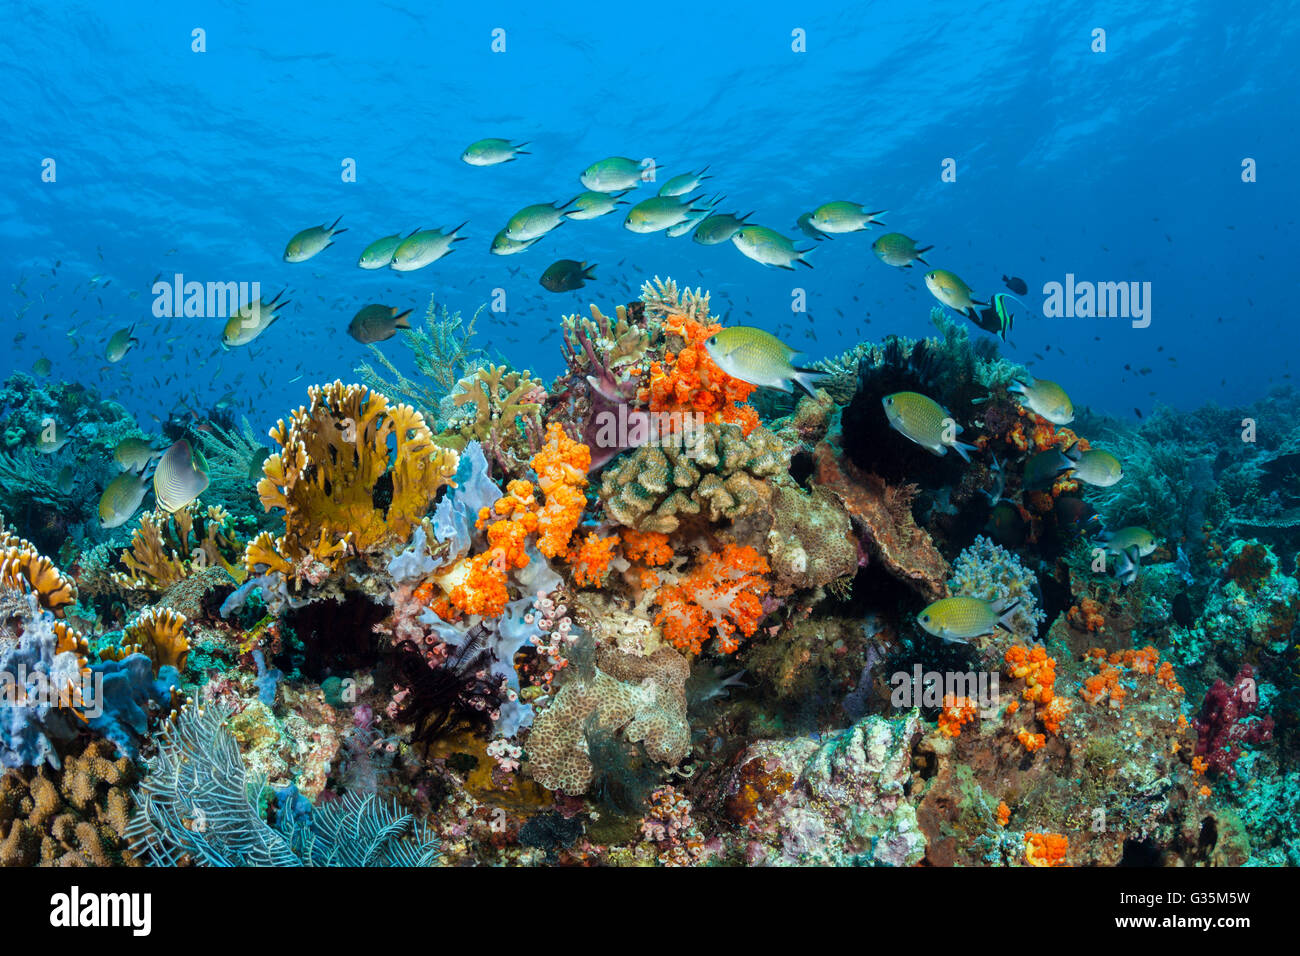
(502, 410)
(442, 354)
(714, 470)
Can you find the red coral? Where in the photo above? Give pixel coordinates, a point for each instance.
(1221, 726)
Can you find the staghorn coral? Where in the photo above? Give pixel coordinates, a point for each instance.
(502, 410)
(884, 514)
(169, 547)
(441, 352)
(644, 697)
(662, 298)
(76, 817)
(715, 470)
(335, 452)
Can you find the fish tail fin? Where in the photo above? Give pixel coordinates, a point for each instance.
(871, 216)
(520, 148)
(923, 249)
(458, 229)
(589, 271)
(799, 258)
(399, 321)
(1004, 613)
(1073, 453)
(335, 223)
(963, 449)
(807, 379)
(569, 203)
(745, 216)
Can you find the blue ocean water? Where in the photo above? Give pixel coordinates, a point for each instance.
(1122, 165)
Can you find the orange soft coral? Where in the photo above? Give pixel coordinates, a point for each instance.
(1032, 742)
(689, 381)
(483, 589)
(591, 559)
(1086, 616)
(722, 594)
(1039, 673)
(561, 467)
(1046, 849)
(1106, 682)
(956, 712)
(1004, 814)
(649, 547)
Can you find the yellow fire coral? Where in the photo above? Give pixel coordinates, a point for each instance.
(169, 547)
(159, 634)
(354, 473)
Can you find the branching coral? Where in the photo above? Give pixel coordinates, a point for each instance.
(662, 298)
(502, 410)
(720, 596)
(643, 697)
(354, 474)
(169, 547)
(715, 470)
(76, 817)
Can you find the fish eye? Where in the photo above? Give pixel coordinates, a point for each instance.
(925, 617)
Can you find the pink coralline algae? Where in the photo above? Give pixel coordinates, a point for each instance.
(1222, 727)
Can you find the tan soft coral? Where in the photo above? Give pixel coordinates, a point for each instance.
(334, 452)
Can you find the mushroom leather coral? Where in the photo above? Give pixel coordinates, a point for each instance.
(334, 453)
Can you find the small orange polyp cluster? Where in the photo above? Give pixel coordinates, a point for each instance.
(1039, 673)
(1032, 742)
(723, 594)
(591, 558)
(1046, 849)
(649, 547)
(956, 712)
(1004, 814)
(1086, 616)
(1106, 682)
(561, 467)
(690, 381)
(1034, 434)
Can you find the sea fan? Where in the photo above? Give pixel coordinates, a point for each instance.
(198, 805)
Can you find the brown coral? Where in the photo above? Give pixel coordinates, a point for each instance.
(27, 571)
(884, 513)
(159, 634)
(73, 817)
(644, 697)
(168, 547)
(335, 454)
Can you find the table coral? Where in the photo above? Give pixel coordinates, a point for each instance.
(334, 453)
(884, 515)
